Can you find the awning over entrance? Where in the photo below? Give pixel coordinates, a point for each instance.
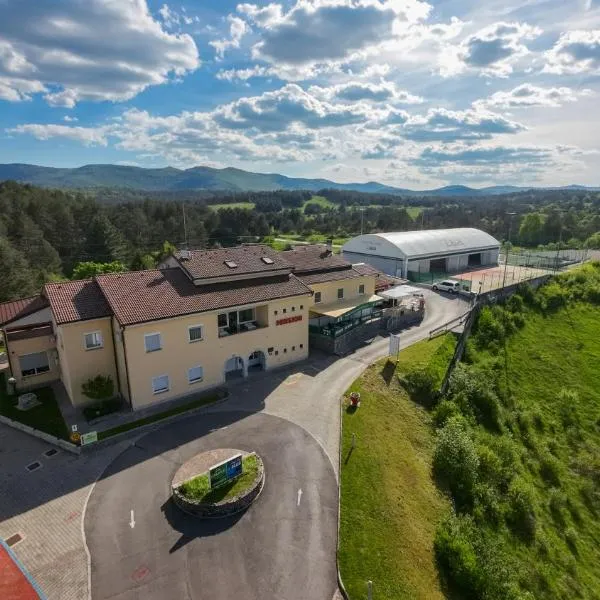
(339, 309)
(400, 291)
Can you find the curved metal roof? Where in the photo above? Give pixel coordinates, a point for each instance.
(415, 244)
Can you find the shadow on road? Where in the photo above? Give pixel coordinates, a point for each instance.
(192, 528)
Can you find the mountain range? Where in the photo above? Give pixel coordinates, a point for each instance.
(210, 179)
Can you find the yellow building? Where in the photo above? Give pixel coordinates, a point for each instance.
(202, 318)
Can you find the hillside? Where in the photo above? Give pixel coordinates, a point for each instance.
(515, 447)
(210, 179)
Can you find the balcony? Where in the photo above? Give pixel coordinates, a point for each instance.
(234, 329)
(235, 322)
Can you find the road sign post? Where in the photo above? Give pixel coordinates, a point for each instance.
(394, 346)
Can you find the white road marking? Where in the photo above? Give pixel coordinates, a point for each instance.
(299, 496)
(132, 522)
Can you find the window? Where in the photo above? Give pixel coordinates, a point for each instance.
(270, 350)
(340, 293)
(285, 350)
(361, 289)
(92, 340)
(267, 260)
(301, 306)
(231, 264)
(276, 352)
(293, 309)
(275, 312)
(34, 364)
(195, 374)
(152, 342)
(222, 320)
(285, 310)
(246, 315)
(301, 346)
(317, 297)
(196, 333)
(160, 384)
(293, 348)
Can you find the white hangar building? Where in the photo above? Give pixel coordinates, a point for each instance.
(436, 250)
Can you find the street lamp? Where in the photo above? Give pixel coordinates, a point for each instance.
(507, 245)
(362, 218)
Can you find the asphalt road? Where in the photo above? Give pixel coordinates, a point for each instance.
(283, 547)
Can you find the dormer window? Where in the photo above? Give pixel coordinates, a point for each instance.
(267, 260)
(231, 264)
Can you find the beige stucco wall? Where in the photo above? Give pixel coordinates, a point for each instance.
(178, 354)
(329, 289)
(120, 359)
(16, 348)
(78, 364)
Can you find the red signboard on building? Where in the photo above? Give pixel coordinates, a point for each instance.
(294, 319)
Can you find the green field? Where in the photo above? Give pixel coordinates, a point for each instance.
(246, 205)
(514, 446)
(390, 504)
(321, 201)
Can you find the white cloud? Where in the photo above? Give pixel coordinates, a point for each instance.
(574, 52)
(493, 50)
(530, 95)
(237, 29)
(89, 136)
(244, 74)
(353, 91)
(69, 119)
(169, 17)
(64, 50)
(265, 16)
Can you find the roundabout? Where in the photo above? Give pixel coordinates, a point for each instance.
(196, 492)
(142, 545)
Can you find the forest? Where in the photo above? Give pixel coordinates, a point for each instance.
(45, 234)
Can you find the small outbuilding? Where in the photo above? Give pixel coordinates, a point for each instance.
(407, 253)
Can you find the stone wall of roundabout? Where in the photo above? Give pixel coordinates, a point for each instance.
(200, 464)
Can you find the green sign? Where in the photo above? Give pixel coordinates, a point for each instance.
(226, 471)
(89, 438)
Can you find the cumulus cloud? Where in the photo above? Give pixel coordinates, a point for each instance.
(444, 125)
(526, 95)
(169, 17)
(63, 50)
(575, 52)
(276, 110)
(89, 136)
(237, 29)
(354, 91)
(491, 51)
(325, 30)
(483, 155)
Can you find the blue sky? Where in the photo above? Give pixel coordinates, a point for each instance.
(411, 93)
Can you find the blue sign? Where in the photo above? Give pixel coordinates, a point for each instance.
(226, 471)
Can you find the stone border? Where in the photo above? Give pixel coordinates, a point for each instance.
(41, 435)
(228, 507)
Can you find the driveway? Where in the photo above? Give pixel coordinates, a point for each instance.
(282, 547)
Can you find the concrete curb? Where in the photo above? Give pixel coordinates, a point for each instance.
(341, 587)
(46, 437)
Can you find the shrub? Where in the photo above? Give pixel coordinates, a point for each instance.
(106, 407)
(550, 469)
(99, 387)
(552, 296)
(488, 508)
(421, 384)
(568, 401)
(527, 293)
(455, 460)
(444, 411)
(515, 304)
(521, 514)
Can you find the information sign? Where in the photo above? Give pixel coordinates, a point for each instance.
(226, 471)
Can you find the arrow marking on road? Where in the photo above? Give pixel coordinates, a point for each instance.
(132, 522)
(299, 496)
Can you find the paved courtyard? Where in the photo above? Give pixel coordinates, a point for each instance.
(46, 506)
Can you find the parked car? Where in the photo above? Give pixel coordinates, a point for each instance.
(453, 287)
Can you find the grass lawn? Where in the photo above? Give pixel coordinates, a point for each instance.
(246, 205)
(414, 211)
(321, 201)
(159, 416)
(389, 504)
(198, 489)
(46, 417)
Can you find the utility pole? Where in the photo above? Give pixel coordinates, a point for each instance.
(185, 235)
(507, 245)
(362, 218)
(559, 243)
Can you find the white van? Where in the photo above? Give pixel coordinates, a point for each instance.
(453, 287)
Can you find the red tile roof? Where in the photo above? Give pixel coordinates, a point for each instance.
(17, 309)
(311, 278)
(76, 301)
(383, 281)
(314, 257)
(141, 296)
(207, 264)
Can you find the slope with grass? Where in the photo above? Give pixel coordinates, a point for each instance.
(389, 503)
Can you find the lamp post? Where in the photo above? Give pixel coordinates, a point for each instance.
(362, 218)
(559, 242)
(507, 245)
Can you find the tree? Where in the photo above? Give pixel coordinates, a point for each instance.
(530, 232)
(87, 270)
(593, 241)
(16, 277)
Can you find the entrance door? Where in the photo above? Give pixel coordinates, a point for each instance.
(234, 368)
(256, 361)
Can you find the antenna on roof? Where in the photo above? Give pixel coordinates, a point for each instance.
(185, 235)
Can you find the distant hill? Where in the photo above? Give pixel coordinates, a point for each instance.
(209, 179)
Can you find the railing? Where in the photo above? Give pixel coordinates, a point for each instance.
(240, 328)
(334, 330)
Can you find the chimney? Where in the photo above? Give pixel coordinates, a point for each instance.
(185, 254)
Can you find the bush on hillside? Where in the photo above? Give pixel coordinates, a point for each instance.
(515, 304)
(568, 401)
(521, 513)
(99, 388)
(525, 291)
(421, 383)
(444, 411)
(552, 296)
(455, 461)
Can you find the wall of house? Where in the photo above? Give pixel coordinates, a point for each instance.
(329, 289)
(78, 365)
(16, 348)
(389, 265)
(120, 359)
(281, 343)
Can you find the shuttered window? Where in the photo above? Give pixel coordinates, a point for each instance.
(152, 342)
(195, 374)
(160, 384)
(34, 364)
